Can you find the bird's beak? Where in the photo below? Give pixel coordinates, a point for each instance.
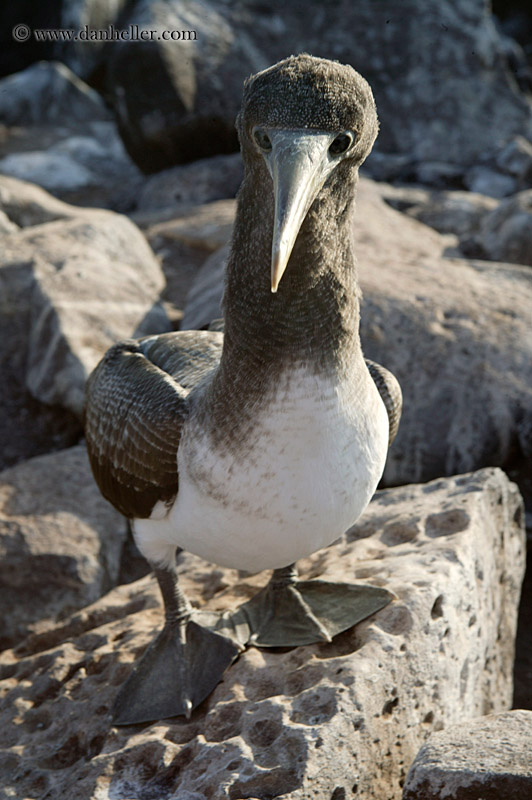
(299, 163)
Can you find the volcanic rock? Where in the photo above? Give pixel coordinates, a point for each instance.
(486, 758)
(311, 721)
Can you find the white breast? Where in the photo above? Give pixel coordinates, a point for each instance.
(310, 467)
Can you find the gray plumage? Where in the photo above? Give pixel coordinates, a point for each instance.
(137, 398)
(229, 430)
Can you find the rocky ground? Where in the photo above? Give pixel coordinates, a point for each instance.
(93, 250)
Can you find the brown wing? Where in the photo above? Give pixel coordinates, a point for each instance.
(391, 394)
(134, 413)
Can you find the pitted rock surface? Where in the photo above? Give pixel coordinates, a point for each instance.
(307, 722)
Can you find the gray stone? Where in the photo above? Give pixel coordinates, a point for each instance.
(204, 301)
(52, 171)
(48, 92)
(449, 212)
(506, 233)
(487, 758)
(90, 166)
(27, 427)
(73, 286)
(307, 722)
(6, 225)
(388, 166)
(60, 541)
(176, 101)
(455, 332)
(485, 180)
(80, 306)
(200, 182)
(516, 159)
(438, 71)
(208, 226)
(85, 58)
(183, 243)
(439, 174)
(26, 204)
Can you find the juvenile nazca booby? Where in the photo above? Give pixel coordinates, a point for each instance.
(259, 446)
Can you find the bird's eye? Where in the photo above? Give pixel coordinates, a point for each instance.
(262, 139)
(341, 144)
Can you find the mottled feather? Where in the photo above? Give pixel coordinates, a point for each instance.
(135, 410)
(390, 392)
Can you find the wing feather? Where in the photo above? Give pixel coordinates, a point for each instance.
(134, 414)
(390, 391)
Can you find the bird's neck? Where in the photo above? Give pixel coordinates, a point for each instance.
(313, 319)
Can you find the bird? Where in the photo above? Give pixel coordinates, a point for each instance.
(259, 445)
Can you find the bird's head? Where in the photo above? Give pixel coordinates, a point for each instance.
(307, 119)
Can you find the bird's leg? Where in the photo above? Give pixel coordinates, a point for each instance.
(180, 668)
(289, 612)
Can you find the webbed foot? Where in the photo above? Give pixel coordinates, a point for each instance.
(179, 669)
(289, 612)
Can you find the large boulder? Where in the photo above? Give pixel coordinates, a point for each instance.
(185, 241)
(89, 167)
(455, 332)
(204, 181)
(438, 71)
(486, 758)
(60, 541)
(453, 212)
(26, 204)
(329, 720)
(176, 99)
(60, 135)
(506, 233)
(73, 286)
(48, 93)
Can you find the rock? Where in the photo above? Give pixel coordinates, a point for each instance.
(27, 427)
(14, 55)
(79, 306)
(204, 301)
(506, 233)
(87, 57)
(523, 645)
(74, 286)
(516, 159)
(439, 174)
(207, 226)
(200, 182)
(454, 331)
(485, 180)
(48, 92)
(448, 328)
(26, 204)
(388, 166)
(176, 101)
(307, 722)
(183, 243)
(424, 102)
(89, 167)
(52, 171)
(60, 542)
(6, 225)
(486, 758)
(449, 212)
